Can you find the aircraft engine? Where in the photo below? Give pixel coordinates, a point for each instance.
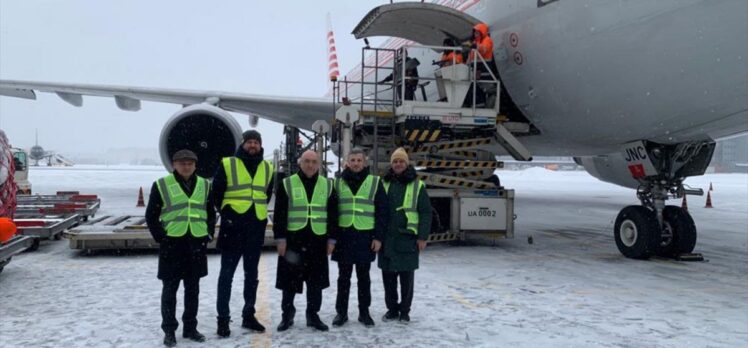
(609, 168)
(210, 132)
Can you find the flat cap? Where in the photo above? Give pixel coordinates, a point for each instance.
(184, 155)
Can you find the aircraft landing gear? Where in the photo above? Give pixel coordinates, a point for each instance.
(653, 228)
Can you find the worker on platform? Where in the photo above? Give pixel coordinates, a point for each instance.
(362, 221)
(450, 56)
(483, 44)
(243, 185)
(304, 223)
(410, 77)
(181, 218)
(408, 230)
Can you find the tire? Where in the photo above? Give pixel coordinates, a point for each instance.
(637, 232)
(683, 230)
(34, 245)
(495, 180)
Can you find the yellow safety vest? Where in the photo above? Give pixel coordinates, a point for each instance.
(357, 210)
(410, 203)
(180, 212)
(242, 190)
(301, 211)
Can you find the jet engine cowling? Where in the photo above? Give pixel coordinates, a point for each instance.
(212, 133)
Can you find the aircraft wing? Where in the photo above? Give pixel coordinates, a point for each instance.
(293, 111)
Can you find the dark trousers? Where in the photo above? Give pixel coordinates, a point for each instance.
(169, 321)
(410, 92)
(345, 270)
(390, 290)
(313, 301)
(229, 262)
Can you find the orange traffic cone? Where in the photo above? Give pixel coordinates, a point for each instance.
(711, 188)
(684, 205)
(708, 200)
(141, 201)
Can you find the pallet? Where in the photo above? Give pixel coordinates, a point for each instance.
(120, 232)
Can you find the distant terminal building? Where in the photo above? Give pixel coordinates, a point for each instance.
(731, 155)
(547, 162)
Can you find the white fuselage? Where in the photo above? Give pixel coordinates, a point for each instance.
(592, 75)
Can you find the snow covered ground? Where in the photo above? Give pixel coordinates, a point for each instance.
(570, 288)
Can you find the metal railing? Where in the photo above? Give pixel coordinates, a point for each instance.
(373, 94)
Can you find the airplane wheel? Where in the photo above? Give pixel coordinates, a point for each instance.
(682, 228)
(637, 232)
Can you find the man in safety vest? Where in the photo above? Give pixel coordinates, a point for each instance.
(483, 44)
(305, 219)
(243, 185)
(406, 235)
(181, 218)
(362, 221)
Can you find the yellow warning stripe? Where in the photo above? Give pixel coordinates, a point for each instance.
(465, 174)
(423, 135)
(448, 146)
(456, 164)
(453, 182)
(443, 237)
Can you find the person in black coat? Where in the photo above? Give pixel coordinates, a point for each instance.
(180, 258)
(302, 254)
(356, 247)
(241, 236)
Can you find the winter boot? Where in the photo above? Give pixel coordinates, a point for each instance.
(390, 315)
(193, 335)
(365, 318)
(252, 324)
(223, 328)
(313, 320)
(340, 320)
(286, 320)
(170, 340)
(404, 317)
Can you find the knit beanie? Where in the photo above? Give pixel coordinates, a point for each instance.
(399, 154)
(252, 134)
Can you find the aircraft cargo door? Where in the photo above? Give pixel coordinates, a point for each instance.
(426, 24)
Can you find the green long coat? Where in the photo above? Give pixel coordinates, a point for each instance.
(399, 251)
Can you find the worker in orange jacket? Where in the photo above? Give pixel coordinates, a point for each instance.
(450, 57)
(483, 44)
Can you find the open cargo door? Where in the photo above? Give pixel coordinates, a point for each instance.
(426, 24)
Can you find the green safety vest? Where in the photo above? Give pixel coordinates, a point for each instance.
(301, 211)
(357, 210)
(180, 212)
(410, 203)
(242, 190)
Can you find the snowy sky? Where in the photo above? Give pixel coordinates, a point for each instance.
(271, 48)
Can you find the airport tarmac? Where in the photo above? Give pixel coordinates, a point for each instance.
(569, 288)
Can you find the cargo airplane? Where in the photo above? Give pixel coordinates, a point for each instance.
(636, 91)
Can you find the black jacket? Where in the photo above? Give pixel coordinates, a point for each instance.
(238, 230)
(181, 257)
(353, 246)
(306, 252)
